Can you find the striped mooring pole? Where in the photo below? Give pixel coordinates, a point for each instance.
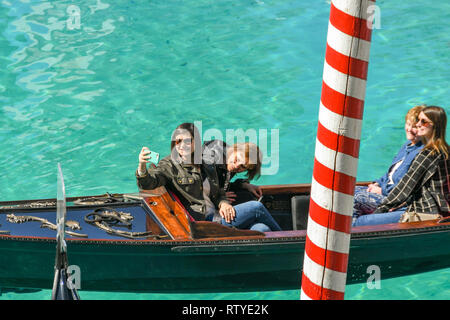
(337, 150)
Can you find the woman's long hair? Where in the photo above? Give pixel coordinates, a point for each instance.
(437, 143)
(196, 144)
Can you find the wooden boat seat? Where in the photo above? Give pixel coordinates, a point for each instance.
(207, 229)
(176, 219)
(299, 210)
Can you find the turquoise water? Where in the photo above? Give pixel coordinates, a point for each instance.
(424, 286)
(91, 97)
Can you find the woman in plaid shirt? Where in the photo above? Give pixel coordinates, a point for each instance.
(425, 187)
(368, 198)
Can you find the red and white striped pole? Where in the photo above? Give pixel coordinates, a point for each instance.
(337, 150)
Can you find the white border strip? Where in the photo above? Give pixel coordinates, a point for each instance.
(304, 296)
(344, 163)
(334, 122)
(333, 280)
(336, 241)
(344, 83)
(342, 43)
(351, 7)
(322, 196)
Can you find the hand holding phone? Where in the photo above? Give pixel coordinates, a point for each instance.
(147, 156)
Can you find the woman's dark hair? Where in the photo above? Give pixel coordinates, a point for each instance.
(196, 156)
(437, 143)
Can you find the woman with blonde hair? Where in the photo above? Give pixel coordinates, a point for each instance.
(425, 188)
(367, 199)
(246, 213)
(242, 157)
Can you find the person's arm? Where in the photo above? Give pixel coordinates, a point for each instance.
(405, 187)
(374, 188)
(387, 189)
(153, 177)
(221, 198)
(227, 211)
(144, 156)
(383, 181)
(253, 189)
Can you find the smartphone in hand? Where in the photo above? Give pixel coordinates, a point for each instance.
(154, 157)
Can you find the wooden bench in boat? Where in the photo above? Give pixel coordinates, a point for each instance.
(180, 225)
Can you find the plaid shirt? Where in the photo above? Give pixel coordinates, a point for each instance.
(424, 187)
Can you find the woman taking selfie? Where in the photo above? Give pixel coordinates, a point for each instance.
(181, 172)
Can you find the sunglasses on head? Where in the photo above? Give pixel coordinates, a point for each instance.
(187, 141)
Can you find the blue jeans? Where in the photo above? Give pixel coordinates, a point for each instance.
(379, 218)
(254, 216)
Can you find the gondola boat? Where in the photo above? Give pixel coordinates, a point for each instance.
(173, 254)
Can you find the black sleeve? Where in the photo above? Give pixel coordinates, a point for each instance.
(155, 177)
